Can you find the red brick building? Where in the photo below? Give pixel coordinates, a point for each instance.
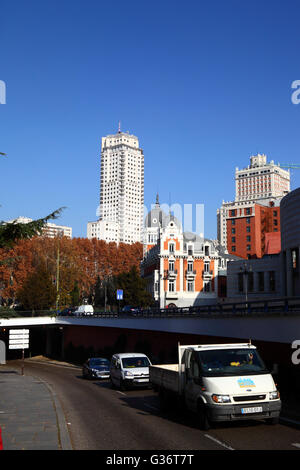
(253, 230)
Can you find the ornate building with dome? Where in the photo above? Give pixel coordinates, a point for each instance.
(182, 269)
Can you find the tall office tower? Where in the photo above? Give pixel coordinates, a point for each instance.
(121, 209)
(261, 181)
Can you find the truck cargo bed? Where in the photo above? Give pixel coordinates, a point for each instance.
(164, 376)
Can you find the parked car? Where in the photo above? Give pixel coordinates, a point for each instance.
(96, 368)
(129, 370)
(84, 310)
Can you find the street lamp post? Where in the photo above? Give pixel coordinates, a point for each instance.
(245, 270)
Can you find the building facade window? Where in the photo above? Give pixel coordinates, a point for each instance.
(190, 266)
(272, 281)
(190, 286)
(241, 282)
(171, 286)
(261, 281)
(171, 265)
(206, 286)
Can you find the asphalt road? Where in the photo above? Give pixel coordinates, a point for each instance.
(101, 418)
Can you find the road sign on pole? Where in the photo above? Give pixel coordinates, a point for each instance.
(19, 339)
(119, 294)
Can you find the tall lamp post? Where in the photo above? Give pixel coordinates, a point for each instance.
(245, 270)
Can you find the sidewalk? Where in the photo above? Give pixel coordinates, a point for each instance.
(31, 417)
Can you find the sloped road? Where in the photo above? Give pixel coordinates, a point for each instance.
(101, 418)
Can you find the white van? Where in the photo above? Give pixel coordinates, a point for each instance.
(129, 370)
(84, 310)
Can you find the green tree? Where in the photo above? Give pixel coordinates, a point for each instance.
(134, 288)
(10, 232)
(38, 291)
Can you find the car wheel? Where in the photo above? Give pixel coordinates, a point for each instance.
(111, 383)
(122, 385)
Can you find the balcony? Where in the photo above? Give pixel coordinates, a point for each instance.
(190, 274)
(170, 273)
(171, 295)
(207, 274)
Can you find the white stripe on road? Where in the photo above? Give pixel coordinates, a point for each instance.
(219, 442)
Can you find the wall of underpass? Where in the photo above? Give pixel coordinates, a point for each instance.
(77, 343)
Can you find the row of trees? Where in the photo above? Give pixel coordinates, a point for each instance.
(39, 271)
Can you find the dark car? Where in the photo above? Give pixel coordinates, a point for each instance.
(96, 368)
(67, 311)
(130, 310)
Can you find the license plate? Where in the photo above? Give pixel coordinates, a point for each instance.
(256, 409)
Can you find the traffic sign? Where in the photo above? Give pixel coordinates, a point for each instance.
(119, 294)
(18, 339)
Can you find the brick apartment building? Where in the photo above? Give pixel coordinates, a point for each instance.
(253, 230)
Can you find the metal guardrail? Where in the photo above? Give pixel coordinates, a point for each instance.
(280, 306)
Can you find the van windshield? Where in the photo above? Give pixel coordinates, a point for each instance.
(231, 362)
(129, 362)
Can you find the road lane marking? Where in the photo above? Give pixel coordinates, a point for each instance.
(118, 391)
(223, 444)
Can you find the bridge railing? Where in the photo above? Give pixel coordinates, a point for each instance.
(278, 306)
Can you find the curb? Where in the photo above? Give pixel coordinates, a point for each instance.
(63, 432)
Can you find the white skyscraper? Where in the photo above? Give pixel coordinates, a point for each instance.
(121, 208)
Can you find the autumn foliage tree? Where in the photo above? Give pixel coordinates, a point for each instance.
(82, 262)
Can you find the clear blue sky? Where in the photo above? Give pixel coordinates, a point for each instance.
(204, 85)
